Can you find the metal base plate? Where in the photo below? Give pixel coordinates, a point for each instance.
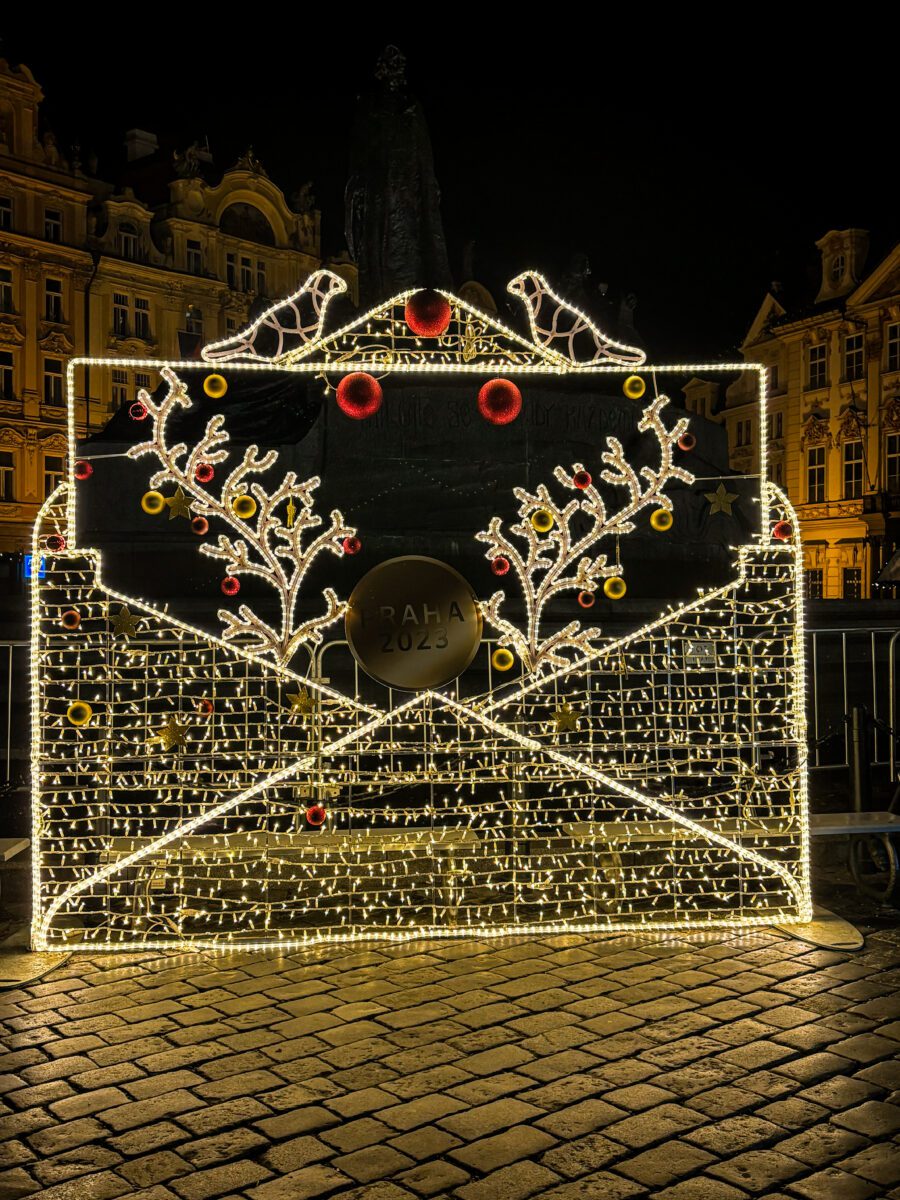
(826, 929)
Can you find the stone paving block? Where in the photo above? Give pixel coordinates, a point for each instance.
(39, 1095)
(304, 1184)
(375, 1162)
(203, 1185)
(354, 1135)
(299, 1120)
(735, 1134)
(815, 1066)
(578, 1119)
(143, 1112)
(220, 1147)
(758, 1171)
(481, 1090)
(878, 1164)
(434, 1178)
(488, 1118)
(822, 1144)
(425, 1142)
(664, 1165)
(65, 1136)
(833, 1184)
(86, 1103)
(795, 1113)
(222, 1116)
(154, 1168)
(700, 1188)
(83, 1160)
(486, 1154)
(15, 1183)
(516, 1182)
(723, 1101)
(583, 1155)
(103, 1185)
(875, 1119)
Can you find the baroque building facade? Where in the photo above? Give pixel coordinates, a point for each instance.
(833, 438)
(172, 255)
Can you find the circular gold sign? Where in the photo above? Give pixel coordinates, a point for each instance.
(413, 623)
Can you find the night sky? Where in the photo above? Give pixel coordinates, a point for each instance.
(692, 172)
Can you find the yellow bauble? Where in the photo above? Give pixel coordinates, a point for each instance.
(542, 520)
(661, 520)
(243, 507)
(79, 712)
(634, 387)
(614, 588)
(215, 386)
(502, 659)
(153, 502)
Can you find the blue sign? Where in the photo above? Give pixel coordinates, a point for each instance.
(30, 572)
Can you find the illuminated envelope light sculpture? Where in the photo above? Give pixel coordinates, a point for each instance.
(192, 789)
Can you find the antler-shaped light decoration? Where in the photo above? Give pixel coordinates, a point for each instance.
(557, 561)
(265, 545)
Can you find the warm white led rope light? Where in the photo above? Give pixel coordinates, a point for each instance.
(772, 713)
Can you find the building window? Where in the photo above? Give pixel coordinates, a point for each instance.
(778, 473)
(53, 307)
(814, 583)
(6, 213)
(230, 325)
(776, 426)
(119, 387)
(128, 242)
(854, 366)
(744, 433)
(815, 474)
(853, 470)
(852, 583)
(120, 314)
(53, 381)
(53, 473)
(7, 476)
(142, 319)
(261, 286)
(892, 340)
(892, 462)
(194, 321)
(246, 275)
(52, 225)
(230, 271)
(141, 381)
(837, 268)
(194, 258)
(773, 377)
(7, 375)
(6, 290)
(818, 362)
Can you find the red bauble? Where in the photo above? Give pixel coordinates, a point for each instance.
(582, 480)
(200, 525)
(587, 599)
(427, 313)
(782, 531)
(230, 586)
(55, 543)
(499, 401)
(351, 545)
(205, 707)
(359, 395)
(316, 815)
(204, 472)
(138, 411)
(83, 470)
(70, 619)
(500, 565)
(687, 441)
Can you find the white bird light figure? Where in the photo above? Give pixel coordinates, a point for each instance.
(556, 326)
(284, 327)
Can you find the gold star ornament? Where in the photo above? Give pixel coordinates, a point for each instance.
(171, 735)
(178, 505)
(301, 702)
(566, 719)
(124, 624)
(721, 500)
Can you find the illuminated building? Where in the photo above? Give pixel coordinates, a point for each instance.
(833, 431)
(171, 256)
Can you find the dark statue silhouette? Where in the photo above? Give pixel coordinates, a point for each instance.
(392, 202)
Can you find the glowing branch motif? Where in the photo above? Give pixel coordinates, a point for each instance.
(266, 546)
(556, 326)
(284, 327)
(555, 560)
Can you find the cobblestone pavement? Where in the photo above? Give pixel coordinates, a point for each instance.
(698, 1067)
